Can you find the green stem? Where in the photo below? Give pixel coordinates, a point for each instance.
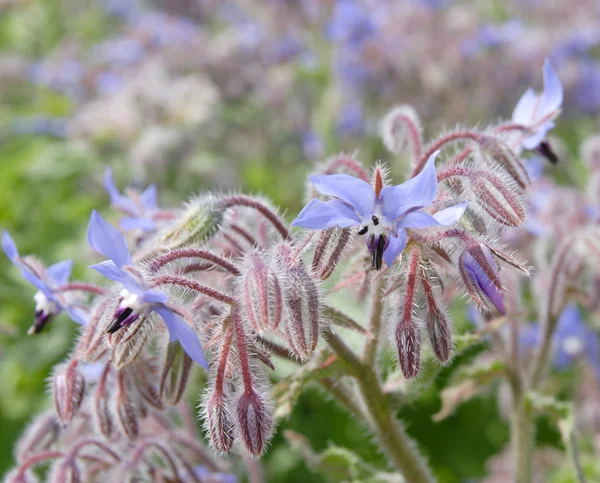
(391, 435)
(522, 427)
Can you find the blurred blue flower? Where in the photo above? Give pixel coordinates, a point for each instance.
(492, 36)
(40, 125)
(65, 76)
(573, 340)
(383, 215)
(119, 52)
(49, 300)
(139, 208)
(108, 83)
(350, 119)
(204, 474)
(163, 30)
(587, 88)
(537, 111)
(312, 145)
(136, 299)
(351, 24)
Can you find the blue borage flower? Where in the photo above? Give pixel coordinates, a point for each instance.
(382, 213)
(573, 340)
(476, 275)
(49, 301)
(136, 299)
(139, 208)
(537, 111)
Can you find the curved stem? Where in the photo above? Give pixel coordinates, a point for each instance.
(249, 202)
(160, 262)
(189, 284)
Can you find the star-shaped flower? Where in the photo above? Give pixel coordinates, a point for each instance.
(49, 300)
(382, 213)
(537, 112)
(136, 298)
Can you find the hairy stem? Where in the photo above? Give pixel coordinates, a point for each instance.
(522, 427)
(375, 316)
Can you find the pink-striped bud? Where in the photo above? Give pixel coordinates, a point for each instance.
(494, 151)
(68, 389)
(127, 416)
(127, 343)
(175, 372)
(262, 297)
(65, 471)
(303, 305)
(101, 410)
(41, 434)
(401, 131)
(437, 321)
(493, 194)
(255, 421)
(330, 250)
(218, 421)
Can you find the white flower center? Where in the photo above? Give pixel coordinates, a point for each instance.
(132, 301)
(573, 346)
(43, 304)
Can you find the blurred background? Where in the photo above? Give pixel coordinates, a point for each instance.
(249, 95)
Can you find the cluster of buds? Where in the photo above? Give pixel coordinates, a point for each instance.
(222, 283)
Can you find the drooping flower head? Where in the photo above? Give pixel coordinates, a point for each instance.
(136, 299)
(50, 301)
(382, 213)
(537, 112)
(140, 208)
(480, 277)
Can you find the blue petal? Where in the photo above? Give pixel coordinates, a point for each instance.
(552, 97)
(60, 272)
(76, 315)
(415, 193)
(318, 215)
(143, 224)
(117, 200)
(395, 247)
(180, 331)
(107, 240)
(525, 108)
(38, 283)
(352, 190)
(149, 198)
(109, 270)
(535, 139)
(132, 284)
(418, 219)
(154, 297)
(451, 215)
(9, 247)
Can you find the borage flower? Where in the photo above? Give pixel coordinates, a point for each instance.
(49, 300)
(136, 299)
(537, 111)
(141, 208)
(383, 213)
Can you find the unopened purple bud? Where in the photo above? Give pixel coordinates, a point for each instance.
(65, 471)
(262, 297)
(68, 388)
(255, 422)
(219, 423)
(479, 273)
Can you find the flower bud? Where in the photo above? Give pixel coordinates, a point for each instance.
(494, 151)
(41, 434)
(127, 343)
(126, 411)
(101, 410)
(493, 195)
(255, 421)
(68, 389)
(262, 297)
(437, 322)
(218, 421)
(175, 372)
(65, 471)
(303, 311)
(479, 274)
(198, 222)
(401, 130)
(330, 249)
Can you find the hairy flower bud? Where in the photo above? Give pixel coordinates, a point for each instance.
(437, 322)
(401, 130)
(493, 194)
(101, 410)
(68, 389)
(175, 372)
(218, 421)
(330, 250)
(261, 289)
(479, 274)
(255, 422)
(198, 222)
(65, 471)
(494, 151)
(41, 434)
(303, 305)
(127, 416)
(127, 343)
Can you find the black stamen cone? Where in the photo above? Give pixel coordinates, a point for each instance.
(116, 324)
(41, 320)
(377, 247)
(545, 150)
